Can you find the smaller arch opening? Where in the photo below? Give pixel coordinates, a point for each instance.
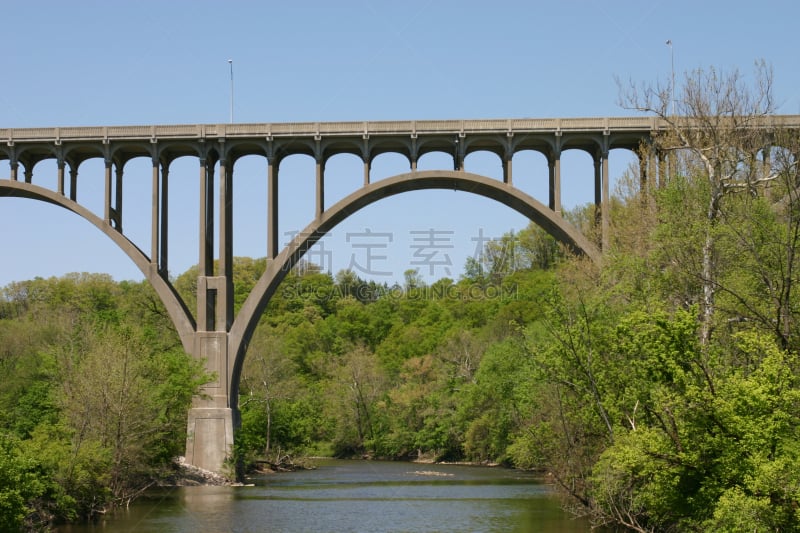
(344, 173)
(436, 160)
(250, 207)
(137, 200)
(45, 173)
(531, 174)
(388, 164)
(183, 201)
(577, 179)
(485, 163)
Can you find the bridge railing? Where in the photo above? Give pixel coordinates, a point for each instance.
(388, 127)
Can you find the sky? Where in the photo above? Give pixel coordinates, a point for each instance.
(116, 62)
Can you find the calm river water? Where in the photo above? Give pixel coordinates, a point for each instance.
(355, 496)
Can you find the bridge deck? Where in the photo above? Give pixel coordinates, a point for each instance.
(388, 127)
(291, 129)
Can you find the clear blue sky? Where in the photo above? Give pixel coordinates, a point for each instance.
(166, 62)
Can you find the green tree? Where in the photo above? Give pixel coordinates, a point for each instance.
(116, 393)
(270, 382)
(356, 386)
(20, 484)
(494, 405)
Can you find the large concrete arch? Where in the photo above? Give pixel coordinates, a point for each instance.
(246, 321)
(175, 306)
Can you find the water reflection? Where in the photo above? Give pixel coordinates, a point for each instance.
(355, 496)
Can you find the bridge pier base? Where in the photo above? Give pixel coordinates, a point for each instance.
(209, 437)
(212, 422)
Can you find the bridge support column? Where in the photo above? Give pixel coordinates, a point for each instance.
(554, 166)
(209, 436)
(320, 180)
(155, 214)
(605, 205)
(601, 192)
(73, 182)
(458, 153)
(211, 424)
(107, 195)
(212, 421)
(163, 245)
(272, 208)
(598, 189)
(60, 177)
(117, 210)
(113, 195)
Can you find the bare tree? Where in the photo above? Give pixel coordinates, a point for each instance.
(719, 126)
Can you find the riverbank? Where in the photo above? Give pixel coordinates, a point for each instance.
(187, 475)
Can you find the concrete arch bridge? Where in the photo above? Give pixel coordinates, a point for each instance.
(211, 331)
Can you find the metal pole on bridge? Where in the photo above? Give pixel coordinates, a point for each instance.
(230, 63)
(672, 85)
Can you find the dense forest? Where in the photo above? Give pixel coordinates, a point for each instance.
(658, 390)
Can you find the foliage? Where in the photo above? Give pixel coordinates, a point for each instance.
(365, 370)
(20, 483)
(94, 397)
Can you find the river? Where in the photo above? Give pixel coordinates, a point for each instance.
(354, 496)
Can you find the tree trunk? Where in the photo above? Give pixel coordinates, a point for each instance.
(709, 278)
(269, 427)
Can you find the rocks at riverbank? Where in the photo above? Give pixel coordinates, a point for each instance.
(187, 475)
(283, 463)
